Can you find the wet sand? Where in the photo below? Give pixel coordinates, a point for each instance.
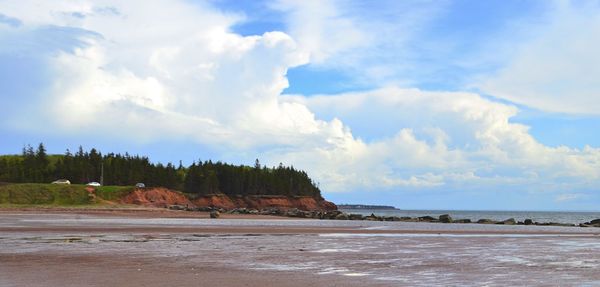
(168, 248)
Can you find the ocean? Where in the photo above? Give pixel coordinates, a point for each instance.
(474, 215)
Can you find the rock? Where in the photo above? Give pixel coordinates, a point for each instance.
(445, 218)
(555, 224)
(528, 222)
(176, 207)
(272, 211)
(215, 214)
(466, 220)
(510, 221)
(356, 217)
(595, 221)
(294, 212)
(342, 216)
(486, 221)
(406, 218)
(426, 218)
(373, 217)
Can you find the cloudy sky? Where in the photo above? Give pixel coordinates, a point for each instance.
(418, 104)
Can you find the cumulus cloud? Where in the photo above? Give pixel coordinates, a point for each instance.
(176, 70)
(452, 139)
(368, 41)
(556, 69)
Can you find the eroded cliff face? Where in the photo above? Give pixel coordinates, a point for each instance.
(263, 202)
(163, 197)
(156, 197)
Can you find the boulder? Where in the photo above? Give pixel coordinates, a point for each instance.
(445, 218)
(595, 221)
(215, 214)
(510, 221)
(342, 216)
(426, 218)
(528, 222)
(176, 207)
(294, 212)
(466, 220)
(373, 217)
(486, 221)
(356, 216)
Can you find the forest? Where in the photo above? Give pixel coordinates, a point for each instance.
(200, 178)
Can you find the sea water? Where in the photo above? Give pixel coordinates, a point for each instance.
(474, 215)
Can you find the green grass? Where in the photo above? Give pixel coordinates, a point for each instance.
(57, 194)
(113, 193)
(47, 194)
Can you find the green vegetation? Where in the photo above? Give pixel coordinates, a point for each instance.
(44, 194)
(57, 194)
(200, 178)
(112, 193)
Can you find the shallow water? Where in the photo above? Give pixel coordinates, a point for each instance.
(539, 216)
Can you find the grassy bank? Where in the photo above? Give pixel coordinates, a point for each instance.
(57, 195)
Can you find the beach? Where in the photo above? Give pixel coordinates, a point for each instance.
(159, 247)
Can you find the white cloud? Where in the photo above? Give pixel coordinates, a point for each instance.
(451, 139)
(568, 197)
(175, 70)
(557, 69)
(370, 41)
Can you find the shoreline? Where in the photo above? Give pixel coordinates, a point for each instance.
(240, 224)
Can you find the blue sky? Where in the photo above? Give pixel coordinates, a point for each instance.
(420, 104)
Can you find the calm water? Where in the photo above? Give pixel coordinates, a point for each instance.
(540, 216)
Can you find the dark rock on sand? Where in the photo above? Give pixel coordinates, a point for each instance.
(528, 221)
(373, 217)
(215, 214)
(356, 217)
(427, 218)
(486, 221)
(466, 220)
(176, 207)
(510, 221)
(445, 218)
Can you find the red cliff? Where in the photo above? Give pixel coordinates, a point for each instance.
(162, 197)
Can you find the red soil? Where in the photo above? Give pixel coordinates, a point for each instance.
(163, 197)
(262, 202)
(156, 197)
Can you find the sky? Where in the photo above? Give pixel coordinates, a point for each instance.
(418, 104)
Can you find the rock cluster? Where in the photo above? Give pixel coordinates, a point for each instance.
(593, 223)
(339, 215)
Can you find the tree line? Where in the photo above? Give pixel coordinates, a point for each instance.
(201, 178)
